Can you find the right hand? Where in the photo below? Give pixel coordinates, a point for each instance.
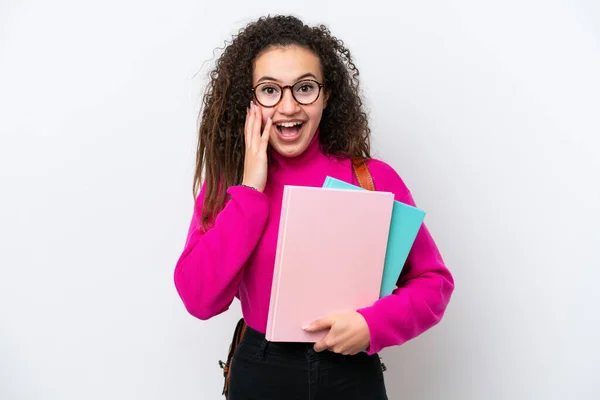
(255, 160)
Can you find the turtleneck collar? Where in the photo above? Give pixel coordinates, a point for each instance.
(309, 154)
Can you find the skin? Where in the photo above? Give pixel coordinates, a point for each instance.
(348, 333)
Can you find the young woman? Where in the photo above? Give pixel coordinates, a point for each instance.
(283, 108)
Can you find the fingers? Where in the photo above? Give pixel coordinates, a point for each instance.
(266, 134)
(252, 125)
(257, 122)
(334, 344)
(331, 343)
(321, 345)
(252, 128)
(247, 125)
(319, 325)
(326, 343)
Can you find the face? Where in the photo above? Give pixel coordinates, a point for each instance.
(287, 66)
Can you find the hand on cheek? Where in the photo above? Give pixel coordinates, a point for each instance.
(255, 157)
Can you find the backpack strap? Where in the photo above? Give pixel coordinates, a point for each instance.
(362, 173)
(238, 333)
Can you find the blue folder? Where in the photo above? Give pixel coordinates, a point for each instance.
(404, 226)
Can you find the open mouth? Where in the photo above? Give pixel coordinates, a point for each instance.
(289, 130)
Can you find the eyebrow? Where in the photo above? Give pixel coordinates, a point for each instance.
(269, 78)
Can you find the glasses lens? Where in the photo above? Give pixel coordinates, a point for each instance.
(267, 94)
(306, 92)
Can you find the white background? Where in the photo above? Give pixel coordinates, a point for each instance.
(489, 110)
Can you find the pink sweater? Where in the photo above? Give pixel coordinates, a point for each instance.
(235, 258)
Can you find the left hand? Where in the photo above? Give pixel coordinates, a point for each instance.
(349, 333)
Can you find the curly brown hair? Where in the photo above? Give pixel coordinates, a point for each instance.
(344, 129)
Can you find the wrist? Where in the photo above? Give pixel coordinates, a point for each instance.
(249, 186)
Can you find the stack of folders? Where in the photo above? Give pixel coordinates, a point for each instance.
(340, 248)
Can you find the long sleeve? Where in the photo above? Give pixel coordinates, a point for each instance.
(424, 287)
(209, 270)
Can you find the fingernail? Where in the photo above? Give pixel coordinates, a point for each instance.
(306, 327)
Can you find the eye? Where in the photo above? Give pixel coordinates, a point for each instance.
(269, 90)
(305, 87)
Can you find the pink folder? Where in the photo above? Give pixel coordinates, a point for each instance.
(330, 257)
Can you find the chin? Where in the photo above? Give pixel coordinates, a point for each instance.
(289, 150)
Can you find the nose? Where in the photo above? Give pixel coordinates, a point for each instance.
(288, 104)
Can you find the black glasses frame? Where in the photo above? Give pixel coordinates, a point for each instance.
(291, 87)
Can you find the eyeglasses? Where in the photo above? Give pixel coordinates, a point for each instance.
(269, 94)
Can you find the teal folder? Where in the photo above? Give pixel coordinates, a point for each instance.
(404, 226)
